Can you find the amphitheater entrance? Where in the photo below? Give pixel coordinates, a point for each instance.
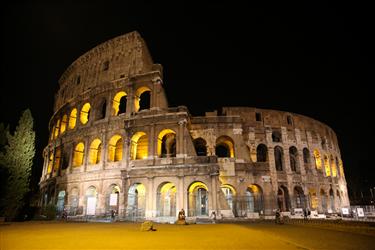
(136, 202)
(166, 201)
(253, 200)
(283, 199)
(112, 199)
(198, 199)
(91, 195)
(60, 201)
(230, 197)
(299, 197)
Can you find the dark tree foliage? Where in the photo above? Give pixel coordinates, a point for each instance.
(16, 160)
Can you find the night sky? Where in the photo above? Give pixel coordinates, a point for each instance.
(312, 61)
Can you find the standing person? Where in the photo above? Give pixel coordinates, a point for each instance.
(213, 215)
(113, 214)
(277, 216)
(305, 214)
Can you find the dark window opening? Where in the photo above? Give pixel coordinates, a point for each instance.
(168, 146)
(65, 160)
(145, 100)
(276, 136)
(261, 153)
(289, 120)
(122, 106)
(279, 159)
(200, 147)
(102, 110)
(78, 80)
(105, 65)
(258, 117)
(222, 150)
(306, 156)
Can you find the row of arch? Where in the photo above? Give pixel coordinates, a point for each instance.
(142, 100)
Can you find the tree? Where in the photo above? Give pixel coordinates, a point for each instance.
(17, 159)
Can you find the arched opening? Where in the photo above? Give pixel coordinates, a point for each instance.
(332, 201)
(318, 160)
(85, 113)
(166, 200)
(73, 119)
(341, 167)
(78, 154)
(119, 103)
(95, 151)
(283, 199)
(313, 198)
(254, 199)
(326, 166)
(91, 196)
(338, 167)
(333, 166)
(230, 197)
(262, 153)
(57, 161)
(112, 199)
(279, 158)
(115, 147)
(50, 162)
(101, 109)
(293, 157)
(57, 129)
(139, 146)
(60, 201)
(323, 200)
(276, 136)
(65, 159)
(64, 122)
(73, 201)
(142, 99)
(136, 201)
(167, 143)
(299, 197)
(338, 198)
(198, 199)
(200, 146)
(224, 147)
(306, 156)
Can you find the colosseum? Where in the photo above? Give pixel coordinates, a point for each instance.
(116, 145)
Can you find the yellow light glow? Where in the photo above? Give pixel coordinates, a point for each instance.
(50, 162)
(168, 187)
(116, 102)
(57, 161)
(229, 187)
(139, 146)
(137, 99)
(85, 113)
(160, 138)
(95, 151)
(78, 154)
(318, 160)
(141, 189)
(341, 167)
(254, 188)
(91, 191)
(64, 121)
(195, 185)
(73, 118)
(115, 148)
(313, 198)
(57, 128)
(226, 140)
(326, 166)
(333, 166)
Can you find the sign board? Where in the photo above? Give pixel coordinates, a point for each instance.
(113, 200)
(266, 178)
(298, 210)
(345, 210)
(91, 204)
(360, 212)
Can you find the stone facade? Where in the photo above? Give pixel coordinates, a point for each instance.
(116, 145)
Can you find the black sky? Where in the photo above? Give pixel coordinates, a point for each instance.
(313, 61)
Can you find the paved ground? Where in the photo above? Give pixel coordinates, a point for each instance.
(57, 235)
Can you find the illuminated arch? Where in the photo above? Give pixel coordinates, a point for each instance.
(95, 151)
(73, 118)
(224, 147)
(283, 200)
(230, 193)
(341, 167)
(313, 198)
(78, 154)
(115, 147)
(138, 98)
(139, 146)
(318, 160)
(57, 128)
(64, 122)
(136, 200)
(327, 168)
(333, 166)
(166, 199)
(112, 198)
(85, 113)
(166, 143)
(119, 103)
(198, 199)
(57, 160)
(50, 162)
(254, 198)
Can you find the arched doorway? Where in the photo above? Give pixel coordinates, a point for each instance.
(198, 199)
(254, 199)
(73, 198)
(60, 201)
(166, 200)
(283, 199)
(299, 197)
(112, 199)
(323, 200)
(136, 202)
(332, 201)
(230, 197)
(91, 197)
